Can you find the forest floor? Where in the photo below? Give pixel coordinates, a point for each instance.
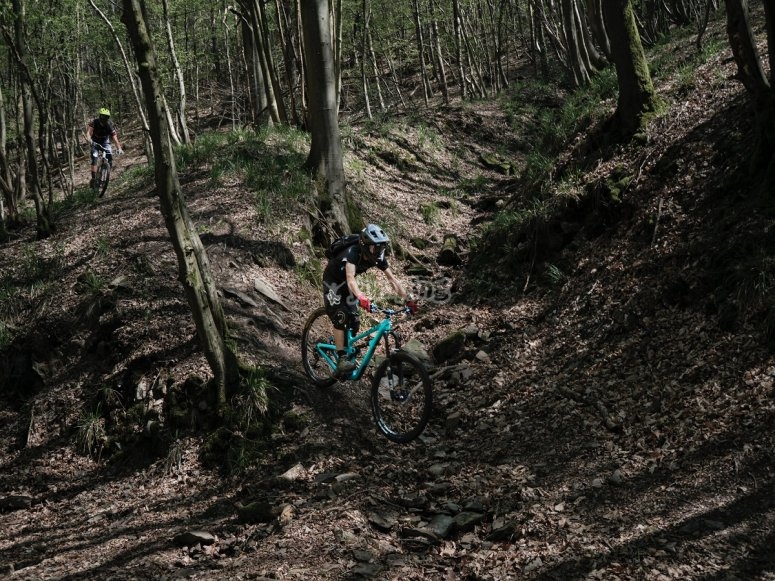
(617, 426)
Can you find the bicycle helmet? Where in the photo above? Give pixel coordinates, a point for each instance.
(105, 112)
(374, 241)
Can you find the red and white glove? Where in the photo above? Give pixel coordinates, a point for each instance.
(364, 303)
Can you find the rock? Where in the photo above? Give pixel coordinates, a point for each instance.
(482, 356)
(382, 522)
(506, 532)
(294, 473)
(15, 502)
(256, 512)
(453, 422)
(193, 538)
(266, 290)
(442, 525)
(449, 347)
(240, 296)
(466, 521)
(417, 350)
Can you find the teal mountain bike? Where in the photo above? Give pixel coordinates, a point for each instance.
(401, 392)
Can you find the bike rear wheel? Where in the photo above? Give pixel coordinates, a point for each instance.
(401, 397)
(317, 329)
(103, 177)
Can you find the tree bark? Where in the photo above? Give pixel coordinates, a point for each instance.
(194, 268)
(760, 90)
(181, 108)
(636, 91)
(325, 155)
(131, 77)
(18, 45)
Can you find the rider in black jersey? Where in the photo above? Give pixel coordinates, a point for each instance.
(101, 131)
(341, 294)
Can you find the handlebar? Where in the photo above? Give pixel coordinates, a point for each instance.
(388, 312)
(117, 152)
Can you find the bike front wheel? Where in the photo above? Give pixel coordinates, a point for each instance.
(401, 397)
(103, 177)
(317, 329)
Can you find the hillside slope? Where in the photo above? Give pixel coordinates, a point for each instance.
(616, 425)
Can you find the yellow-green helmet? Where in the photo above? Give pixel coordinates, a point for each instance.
(105, 112)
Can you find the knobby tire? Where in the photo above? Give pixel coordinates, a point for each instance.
(317, 329)
(402, 413)
(104, 177)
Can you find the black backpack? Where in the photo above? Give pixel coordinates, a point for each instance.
(341, 243)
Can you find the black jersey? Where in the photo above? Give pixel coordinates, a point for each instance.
(335, 270)
(102, 133)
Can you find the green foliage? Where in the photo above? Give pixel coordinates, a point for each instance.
(83, 196)
(10, 298)
(36, 268)
(138, 174)
(430, 213)
(269, 162)
(310, 272)
(103, 247)
(553, 275)
(473, 185)
(753, 278)
(33, 266)
(252, 402)
(91, 282)
(173, 463)
(428, 138)
(6, 337)
(91, 436)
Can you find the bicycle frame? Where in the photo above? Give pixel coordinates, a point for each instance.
(328, 350)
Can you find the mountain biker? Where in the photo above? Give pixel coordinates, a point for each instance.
(101, 131)
(341, 294)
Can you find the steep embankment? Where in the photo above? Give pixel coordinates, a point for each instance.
(615, 425)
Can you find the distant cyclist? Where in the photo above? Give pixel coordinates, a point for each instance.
(101, 132)
(341, 294)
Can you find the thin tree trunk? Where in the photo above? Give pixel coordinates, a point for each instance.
(18, 46)
(194, 268)
(364, 80)
(132, 81)
(760, 89)
(277, 92)
(426, 89)
(439, 56)
(373, 60)
(178, 72)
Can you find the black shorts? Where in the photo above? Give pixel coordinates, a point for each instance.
(341, 306)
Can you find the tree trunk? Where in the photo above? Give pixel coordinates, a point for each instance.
(426, 90)
(759, 89)
(131, 77)
(18, 45)
(458, 28)
(364, 78)
(439, 57)
(325, 155)
(597, 27)
(181, 108)
(194, 268)
(274, 90)
(288, 38)
(7, 179)
(636, 92)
